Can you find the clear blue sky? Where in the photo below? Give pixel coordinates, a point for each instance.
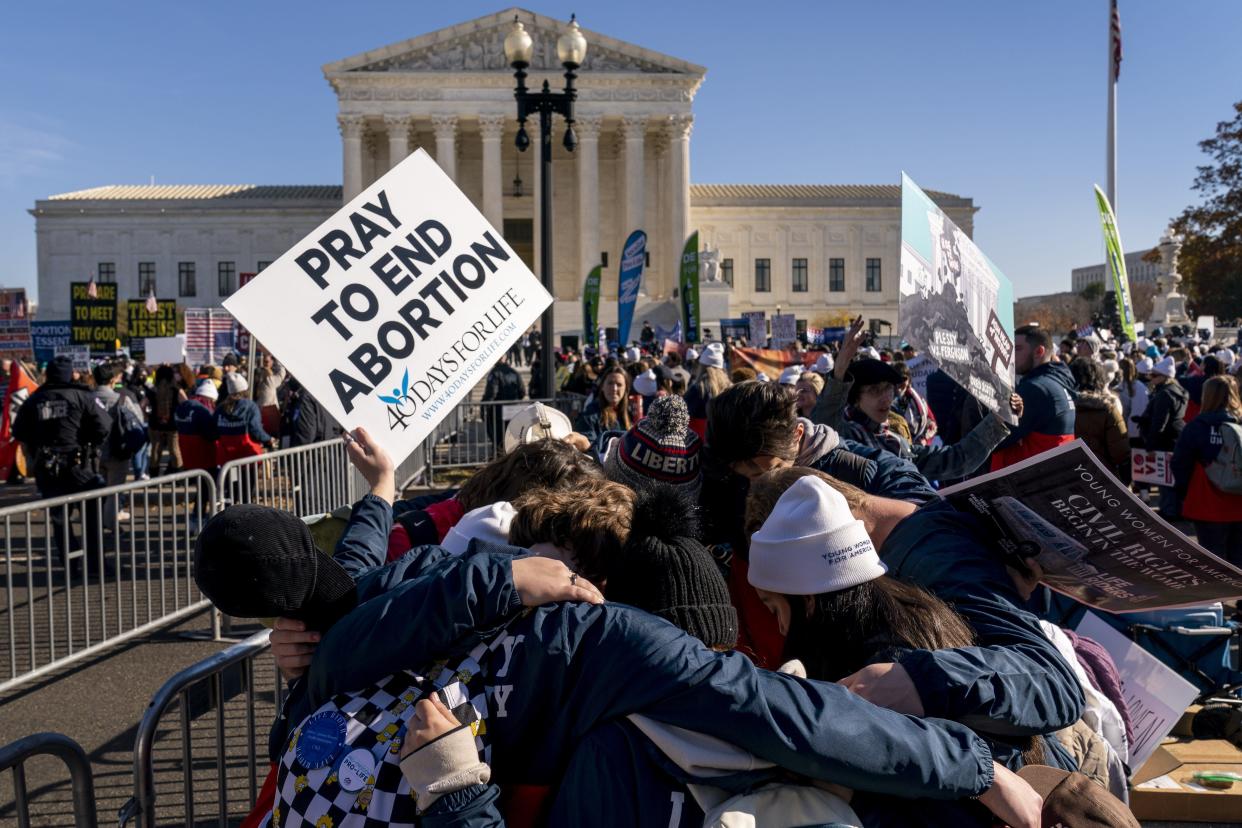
(999, 100)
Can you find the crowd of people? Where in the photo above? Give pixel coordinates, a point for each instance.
(722, 598)
(73, 430)
(714, 597)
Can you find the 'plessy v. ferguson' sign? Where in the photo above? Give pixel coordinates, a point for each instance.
(394, 308)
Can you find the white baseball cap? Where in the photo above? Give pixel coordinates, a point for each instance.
(536, 422)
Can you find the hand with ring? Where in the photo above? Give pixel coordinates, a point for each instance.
(541, 580)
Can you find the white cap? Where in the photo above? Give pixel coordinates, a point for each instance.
(632, 354)
(1226, 356)
(713, 355)
(762, 377)
(1143, 366)
(645, 383)
(489, 523)
(811, 543)
(235, 383)
(1164, 367)
(691, 355)
(824, 364)
(790, 375)
(1111, 367)
(868, 353)
(206, 388)
(1127, 347)
(536, 422)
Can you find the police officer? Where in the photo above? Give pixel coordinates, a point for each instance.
(61, 427)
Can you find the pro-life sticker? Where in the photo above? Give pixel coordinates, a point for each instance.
(356, 769)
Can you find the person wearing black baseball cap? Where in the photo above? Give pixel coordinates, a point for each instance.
(857, 401)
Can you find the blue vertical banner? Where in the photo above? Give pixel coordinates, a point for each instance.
(633, 257)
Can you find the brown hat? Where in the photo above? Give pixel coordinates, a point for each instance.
(1074, 801)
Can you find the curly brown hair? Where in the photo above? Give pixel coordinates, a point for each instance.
(592, 528)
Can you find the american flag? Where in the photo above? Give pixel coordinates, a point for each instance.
(208, 335)
(1114, 30)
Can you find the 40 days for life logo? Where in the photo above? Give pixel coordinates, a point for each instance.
(401, 406)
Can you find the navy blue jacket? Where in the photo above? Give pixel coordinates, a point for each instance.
(564, 669)
(195, 419)
(1048, 394)
(888, 475)
(446, 596)
(244, 419)
(1199, 442)
(1014, 682)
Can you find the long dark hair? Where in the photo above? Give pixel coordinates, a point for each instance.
(845, 631)
(618, 416)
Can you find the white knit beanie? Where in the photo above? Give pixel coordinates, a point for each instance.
(633, 354)
(712, 355)
(489, 523)
(1164, 367)
(811, 543)
(824, 364)
(235, 383)
(645, 383)
(790, 375)
(1225, 356)
(691, 355)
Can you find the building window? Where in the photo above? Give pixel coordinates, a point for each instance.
(261, 266)
(146, 278)
(836, 275)
(726, 271)
(185, 279)
(763, 275)
(873, 275)
(106, 272)
(226, 278)
(800, 281)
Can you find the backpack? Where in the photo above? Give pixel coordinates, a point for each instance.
(128, 434)
(1225, 471)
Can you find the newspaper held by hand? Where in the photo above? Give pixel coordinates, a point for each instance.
(1095, 540)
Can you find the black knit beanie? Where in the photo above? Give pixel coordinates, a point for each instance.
(258, 562)
(666, 571)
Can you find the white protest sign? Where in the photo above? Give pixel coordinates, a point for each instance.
(80, 354)
(391, 311)
(165, 350)
(1154, 467)
(1155, 695)
(1207, 323)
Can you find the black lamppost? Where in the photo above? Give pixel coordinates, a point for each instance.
(571, 50)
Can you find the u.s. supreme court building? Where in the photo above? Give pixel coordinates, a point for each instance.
(817, 251)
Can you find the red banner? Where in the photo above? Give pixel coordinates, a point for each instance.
(772, 362)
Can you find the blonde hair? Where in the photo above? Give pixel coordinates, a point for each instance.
(1221, 394)
(813, 379)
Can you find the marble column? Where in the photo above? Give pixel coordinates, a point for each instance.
(398, 127)
(491, 128)
(677, 198)
(587, 128)
(634, 128)
(352, 127)
(446, 143)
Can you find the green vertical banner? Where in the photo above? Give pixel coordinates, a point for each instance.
(590, 307)
(1117, 264)
(690, 288)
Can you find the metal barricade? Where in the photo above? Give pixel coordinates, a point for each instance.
(226, 683)
(306, 480)
(15, 754)
(472, 434)
(90, 570)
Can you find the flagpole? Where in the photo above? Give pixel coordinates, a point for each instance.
(1112, 113)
